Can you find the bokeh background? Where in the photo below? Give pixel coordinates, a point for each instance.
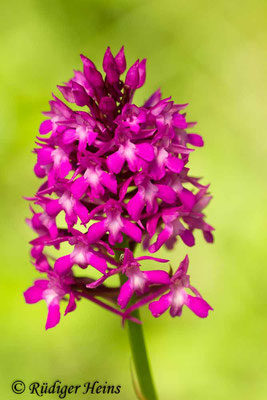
(212, 55)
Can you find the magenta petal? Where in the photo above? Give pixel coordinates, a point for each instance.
(41, 283)
(79, 187)
(132, 77)
(158, 307)
(53, 208)
(183, 267)
(179, 121)
(201, 203)
(132, 230)
(71, 304)
(115, 162)
(128, 257)
(158, 277)
(135, 206)
(109, 181)
(53, 231)
(176, 310)
(124, 188)
(161, 260)
(82, 212)
(45, 127)
(142, 73)
(92, 135)
(198, 305)
(80, 95)
(69, 136)
(39, 171)
(163, 236)
(195, 140)
(97, 262)
(44, 155)
(87, 65)
(151, 225)
(208, 236)
(188, 238)
(95, 78)
(63, 265)
(64, 168)
(175, 164)
(112, 74)
(145, 151)
(187, 198)
(108, 59)
(96, 231)
(120, 61)
(166, 193)
(53, 316)
(83, 140)
(125, 295)
(67, 93)
(153, 99)
(33, 294)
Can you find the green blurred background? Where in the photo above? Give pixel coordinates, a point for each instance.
(212, 55)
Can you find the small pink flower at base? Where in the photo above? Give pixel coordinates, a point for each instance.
(139, 281)
(83, 256)
(52, 292)
(177, 297)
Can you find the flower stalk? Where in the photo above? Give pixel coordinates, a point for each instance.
(141, 359)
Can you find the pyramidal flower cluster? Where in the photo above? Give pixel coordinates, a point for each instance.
(114, 175)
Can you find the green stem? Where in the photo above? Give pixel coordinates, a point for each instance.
(140, 358)
(139, 353)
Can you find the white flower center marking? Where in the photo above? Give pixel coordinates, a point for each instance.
(58, 156)
(67, 202)
(129, 151)
(49, 296)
